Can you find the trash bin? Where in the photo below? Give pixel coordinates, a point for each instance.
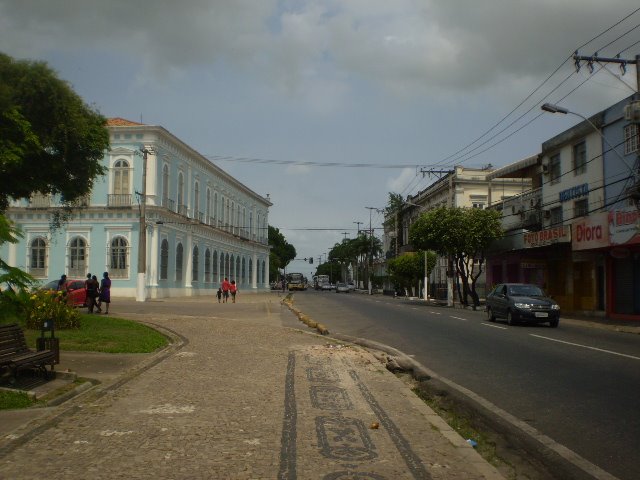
(51, 342)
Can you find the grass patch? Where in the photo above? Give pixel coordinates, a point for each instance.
(460, 422)
(102, 333)
(13, 400)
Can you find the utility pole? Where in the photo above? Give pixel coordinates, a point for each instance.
(634, 191)
(141, 290)
(620, 61)
(370, 262)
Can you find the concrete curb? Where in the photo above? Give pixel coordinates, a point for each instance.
(545, 449)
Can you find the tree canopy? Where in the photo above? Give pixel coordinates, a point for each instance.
(282, 252)
(462, 234)
(407, 270)
(50, 141)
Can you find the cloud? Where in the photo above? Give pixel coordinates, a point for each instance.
(297, 169)
(400, 183)
(324, 46)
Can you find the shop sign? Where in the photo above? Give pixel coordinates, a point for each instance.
(590, 232)
(549, 236)
(623, 227)
(574, 192)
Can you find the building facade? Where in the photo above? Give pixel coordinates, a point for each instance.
(462, 187)
(583, 248)
(201, 224)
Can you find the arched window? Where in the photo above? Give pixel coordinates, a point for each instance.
(263, 273)
(194, 267)
(226, 266)
(221, 271)
(121, 177)
(207, 266)
(216, 275)
(164, 259)
(38, 264)
(250, 271)
(118, 265)
(208, 208)
(232, 265)
(232, 221)
(196, 201)
(77, 257)
(236, 274)
(227, 215)
(182, 208)
(215, 206)
(165, 185)
(244, 270)
(179, 263)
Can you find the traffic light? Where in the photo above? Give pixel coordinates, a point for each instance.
(311, 260)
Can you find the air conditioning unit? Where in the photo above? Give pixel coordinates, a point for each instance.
(632, 112)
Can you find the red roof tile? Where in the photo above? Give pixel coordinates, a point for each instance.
(121, 122)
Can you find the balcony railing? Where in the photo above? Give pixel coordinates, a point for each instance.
(168, 203)
(182, 210)
(119, 200)
(40, 201)
(200, 216)
(521, 210)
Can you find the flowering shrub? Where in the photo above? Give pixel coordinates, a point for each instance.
(47, 305)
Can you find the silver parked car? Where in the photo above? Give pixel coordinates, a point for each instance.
(342, 287)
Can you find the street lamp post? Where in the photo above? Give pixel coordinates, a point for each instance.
(141, 290)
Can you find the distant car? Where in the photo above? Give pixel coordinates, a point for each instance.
(351, 286)
(522, 302)
(342, 287)
(326, 286)
(76, 291)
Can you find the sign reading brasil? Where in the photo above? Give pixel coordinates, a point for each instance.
(547, 237)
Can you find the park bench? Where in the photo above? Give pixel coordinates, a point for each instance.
(16, 356)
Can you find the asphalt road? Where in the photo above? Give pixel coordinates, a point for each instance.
(578, 385)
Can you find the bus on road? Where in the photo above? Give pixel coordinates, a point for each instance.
(296, 281)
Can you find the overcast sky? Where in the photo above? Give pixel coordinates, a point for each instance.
(402, 82)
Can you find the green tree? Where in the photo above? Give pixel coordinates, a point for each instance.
(406, 271)
(391, 212)
(50, 141)
(282, 252)
(462, 234)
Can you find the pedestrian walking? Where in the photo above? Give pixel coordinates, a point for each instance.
(219, 295)
(92, 287)
(233, 288)
(105, 292)
(225, 290)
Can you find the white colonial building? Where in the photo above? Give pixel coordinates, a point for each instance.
(201, 224)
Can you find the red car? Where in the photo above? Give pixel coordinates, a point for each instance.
(76, 292)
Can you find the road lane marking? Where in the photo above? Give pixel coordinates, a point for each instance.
(436, 313)
(458, 318)
(586, 346)
(493, 326)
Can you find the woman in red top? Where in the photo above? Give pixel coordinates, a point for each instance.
(233, 289)
(225, 289)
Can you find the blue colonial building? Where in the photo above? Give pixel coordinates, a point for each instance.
(201, 224)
